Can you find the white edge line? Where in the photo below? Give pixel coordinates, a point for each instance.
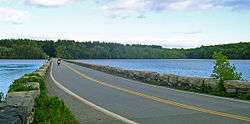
(98, 108)
(181, 91)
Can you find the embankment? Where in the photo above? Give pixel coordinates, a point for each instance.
(235, 88)
(27, 102)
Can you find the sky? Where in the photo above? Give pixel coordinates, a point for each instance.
(169, 23)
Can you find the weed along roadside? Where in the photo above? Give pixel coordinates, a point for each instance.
(233, 88)
(27, 102)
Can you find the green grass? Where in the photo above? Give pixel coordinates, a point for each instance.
(51, 110)
(48, 110)
(23, 83)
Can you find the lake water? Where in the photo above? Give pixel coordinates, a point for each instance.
(14, 69)
(184, 67)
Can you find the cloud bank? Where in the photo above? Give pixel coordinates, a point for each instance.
(117, 7)
(48, 3)
(14, 16)
(174, 5)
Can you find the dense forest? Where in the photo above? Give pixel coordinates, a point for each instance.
(34, 49)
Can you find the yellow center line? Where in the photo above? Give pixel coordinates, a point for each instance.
(165, 101)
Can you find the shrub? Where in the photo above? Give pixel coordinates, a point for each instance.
(205, 88)
(224, 71)
(23, 84)
(245, 96)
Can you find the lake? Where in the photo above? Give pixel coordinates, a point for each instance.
(14, 69)
(184, 67)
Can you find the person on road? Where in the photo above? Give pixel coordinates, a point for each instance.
(58, 62)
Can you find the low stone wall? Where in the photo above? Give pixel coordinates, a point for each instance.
(169, 80)
(19, 106)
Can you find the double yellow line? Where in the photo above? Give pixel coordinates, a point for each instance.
(164, 101)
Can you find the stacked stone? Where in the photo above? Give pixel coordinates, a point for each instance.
(19, 106)
(169, 80)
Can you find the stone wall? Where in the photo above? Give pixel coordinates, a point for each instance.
(172, 81)
(19, 106)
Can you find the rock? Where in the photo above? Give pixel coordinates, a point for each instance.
(196, 81)
(210, 82)
(231, 90)
(238, 86)
(173, 79)
(164, 80)
(25, 99)
(13, 115)
(32, 85)
(182, 79)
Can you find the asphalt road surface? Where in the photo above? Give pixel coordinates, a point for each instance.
(121, 100)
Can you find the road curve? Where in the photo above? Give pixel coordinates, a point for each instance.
(130, 101)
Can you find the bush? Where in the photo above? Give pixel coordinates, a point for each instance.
(245, 96)
(224, 71)
(23, 84)
(205, 88)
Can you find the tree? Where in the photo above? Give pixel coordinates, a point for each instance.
(224, 71)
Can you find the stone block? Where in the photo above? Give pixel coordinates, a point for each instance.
(25, 99)
(210, 82)
(241, 86)
(173, 79)
(231, 90)
(13, 115)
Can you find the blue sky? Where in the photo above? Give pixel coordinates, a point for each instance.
(170, 23)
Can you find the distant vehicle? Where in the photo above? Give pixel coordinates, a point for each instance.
(59, 61)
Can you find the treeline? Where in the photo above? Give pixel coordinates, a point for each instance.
(34, 49)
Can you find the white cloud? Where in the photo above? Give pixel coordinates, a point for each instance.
(115, 6)
(48, 3)
(13, 16)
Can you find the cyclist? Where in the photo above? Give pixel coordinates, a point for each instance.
(58, 61)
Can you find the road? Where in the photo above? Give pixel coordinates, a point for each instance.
(127, 101)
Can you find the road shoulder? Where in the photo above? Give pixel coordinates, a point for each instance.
(82, 112)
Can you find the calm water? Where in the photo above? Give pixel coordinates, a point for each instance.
(13, 69)
(184, 67)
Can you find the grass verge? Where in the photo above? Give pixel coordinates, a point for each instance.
(48, 110)
(51, 110)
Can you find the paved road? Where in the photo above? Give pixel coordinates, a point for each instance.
(130, 101)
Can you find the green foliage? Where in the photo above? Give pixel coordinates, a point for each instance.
(205, 88)
(51, 110)
(23, 83)
(20, 49)
(48, 110)
(154, 82)
(69, 49)
(233, 51)
(224, 71)
(245, 96)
